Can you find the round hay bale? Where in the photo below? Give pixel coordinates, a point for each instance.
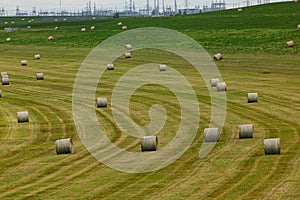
(37, 56)
(211, 134)
(83, 30)
(39, 76)
(214, 82)
(246, 131)
(128, 55)
(272, 146)
(5, 22)
(128, 47)
(0, 93)
(23, 19)
(64, 146)
(298, 27)
(221, 87)
(119, 23)
(24, 62)
(64, 19)
(56, 28)
(93, 28)
(252, 97)
(28, 27)
(162, 67)
(93, 18)
(124, 28)
(5, 81)
(12, 22)
(22, 116)
(239, 10)
(218, 56)
(290, 43)
(56, 20)
(3, 74)
(101, 102)
(51, 38)
(8, 39)
(110, 67)
(149, 143)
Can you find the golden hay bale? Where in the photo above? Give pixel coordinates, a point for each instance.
(37, 56)
(214, 82)
(162, 67)
(246, 131)
(8, 39)
(64, 146)
(298, 27)
(101, 102)
(51, 38)
(221, 87)
(218, 56)
(22, 117)
(128, 55)
(5, 81)
(23, 62)
(272, 146)
(290, 43)
(211, 134)
(56, 28)
(39, 76)
(124, 28)
(93, 28)
(128, 47)
(149, 143)
(83, 30)
(28, 27)
(110, 67)
(119, 24)
(252, 97)
(239, 10)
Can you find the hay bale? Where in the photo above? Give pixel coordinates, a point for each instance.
(0, 93)
(298, 27)
(252, 97)
(246, 131)
(119, 23)
(290, 43)
(56, 28)
(23, 62)
(110, 67)
(162, 67)
(39, 76)
(239, 10)
(83, 30)
(128, 55)
(149, 143)
(37, 56)
(56, 20)
(101, 102)
(4, 76)
(28, 27)
(5, 22)
(93, 28)
(93, 18)
(5, 81)
(221, 87)
(272, 146)
(211, 134)
(64, 146)
(64, 19)
(50, 37)
(128, 47)
(214, 82)
(22, 116)
(3, 73)
(12, 22)
(124, 28)
(218, 56)
(8, 39)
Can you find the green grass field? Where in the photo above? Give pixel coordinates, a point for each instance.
(255, 60)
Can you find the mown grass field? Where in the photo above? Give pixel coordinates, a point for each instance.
(255, 60)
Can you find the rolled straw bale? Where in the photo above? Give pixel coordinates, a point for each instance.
(63, 146)
(5, 22)
(22, 116)
(162, 67)
(218, 56)
(56, 20)
(51, 38)
(93, 18)
(221, 87)
(93, 28)
(29, 21)
(110, 67)
(39, 76)
(23, 19)
(8, 39)
(290, 43)
(239, 10)
(128, 55)
(252, 97)
(298, 27)
(128, 47)
(37, 56)
(12, 22)
(64, 19)
(5, 81)
(211, 134)
(24, 62)
(246, 131)
(83, 30)
(28, 27)
(214, 82)
(272, 146)
(124, 28)
(149, 143)
(120, 24)
(101, 102)
(0, 93)
(56, 28)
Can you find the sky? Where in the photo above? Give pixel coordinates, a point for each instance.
(27, 5)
